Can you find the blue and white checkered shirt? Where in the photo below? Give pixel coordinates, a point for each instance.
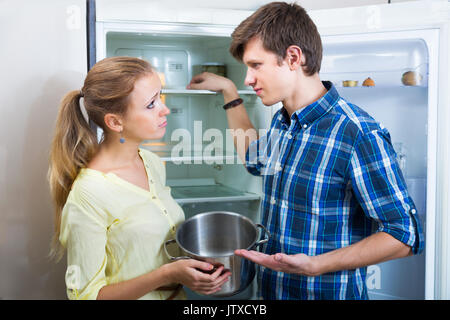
(330, 179)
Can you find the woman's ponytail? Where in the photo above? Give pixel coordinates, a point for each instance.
(74, 144)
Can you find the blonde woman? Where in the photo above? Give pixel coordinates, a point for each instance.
(112, 209)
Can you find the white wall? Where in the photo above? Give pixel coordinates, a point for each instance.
(43, 56)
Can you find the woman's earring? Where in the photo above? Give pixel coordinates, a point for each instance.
(122, 140)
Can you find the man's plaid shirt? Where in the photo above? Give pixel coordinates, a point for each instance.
(330, 179)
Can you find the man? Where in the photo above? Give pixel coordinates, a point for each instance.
(335, 174)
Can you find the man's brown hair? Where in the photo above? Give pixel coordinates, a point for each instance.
(280, 25)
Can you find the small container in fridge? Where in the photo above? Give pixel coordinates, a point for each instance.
(216, 68)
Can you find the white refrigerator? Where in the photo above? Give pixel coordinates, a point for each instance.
(402, 48)
(51, 44)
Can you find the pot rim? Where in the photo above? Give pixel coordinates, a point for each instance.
(197, 216)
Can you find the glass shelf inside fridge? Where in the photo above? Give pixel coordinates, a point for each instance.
(206, 190)
(382, 90)
(178, 153)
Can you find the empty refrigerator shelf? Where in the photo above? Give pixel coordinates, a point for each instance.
(166, 156)
(210, 193)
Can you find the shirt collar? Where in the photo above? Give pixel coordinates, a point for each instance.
(307, 115)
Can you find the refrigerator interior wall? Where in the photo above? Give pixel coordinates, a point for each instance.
(402, 107)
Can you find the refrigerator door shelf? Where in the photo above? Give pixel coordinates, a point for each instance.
(389, 62)
(405, 77)
(380, 88)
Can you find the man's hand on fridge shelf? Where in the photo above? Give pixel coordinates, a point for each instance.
(216, 83)
(298, 263)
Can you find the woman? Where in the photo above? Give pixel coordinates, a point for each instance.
(113, 211)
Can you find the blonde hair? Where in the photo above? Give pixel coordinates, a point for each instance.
(106, 90)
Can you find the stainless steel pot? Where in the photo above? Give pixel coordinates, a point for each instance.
(213, 237)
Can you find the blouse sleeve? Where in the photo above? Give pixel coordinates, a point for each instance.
(83, 233)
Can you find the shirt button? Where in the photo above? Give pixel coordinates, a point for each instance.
(413, 211)
(305, 126)
(273, 201)
(289, 136)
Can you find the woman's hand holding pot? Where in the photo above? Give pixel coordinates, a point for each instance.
(189, 273)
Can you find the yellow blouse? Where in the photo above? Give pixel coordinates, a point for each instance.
(114, 230)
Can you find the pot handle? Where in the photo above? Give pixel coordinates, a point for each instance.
(260, 242)
(168, 254)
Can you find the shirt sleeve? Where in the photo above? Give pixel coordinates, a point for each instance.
(381, 190)
(83, 234)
